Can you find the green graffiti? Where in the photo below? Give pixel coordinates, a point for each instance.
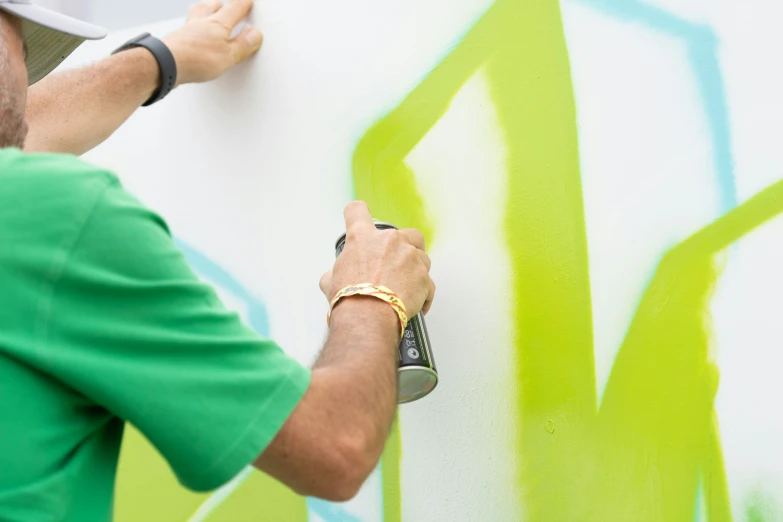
(261, 498)
(760, 508)
(655, 438)
(141, 465)
(522, 47)
(148, 490)
(654, 442)
(390, 474)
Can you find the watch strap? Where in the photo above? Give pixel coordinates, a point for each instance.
(165, 59)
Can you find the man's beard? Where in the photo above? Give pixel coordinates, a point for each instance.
(13, 127)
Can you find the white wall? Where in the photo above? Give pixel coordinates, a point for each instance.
(678, 118)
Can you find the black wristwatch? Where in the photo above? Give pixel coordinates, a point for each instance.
(166, 62)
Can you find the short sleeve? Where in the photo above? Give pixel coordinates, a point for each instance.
(132, 328)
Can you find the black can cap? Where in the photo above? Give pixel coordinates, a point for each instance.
(380, 225)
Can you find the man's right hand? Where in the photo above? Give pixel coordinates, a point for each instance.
(392, 258)
(335, 437)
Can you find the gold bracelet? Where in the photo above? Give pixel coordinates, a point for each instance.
(377, 291)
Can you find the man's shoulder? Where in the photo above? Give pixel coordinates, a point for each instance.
(59, 186)
(49, 196)
(43, 170)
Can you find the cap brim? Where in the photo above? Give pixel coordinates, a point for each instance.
(49, 37)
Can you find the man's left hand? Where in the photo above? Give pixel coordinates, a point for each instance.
(203, 47)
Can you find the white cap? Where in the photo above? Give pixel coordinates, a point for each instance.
(48, 36)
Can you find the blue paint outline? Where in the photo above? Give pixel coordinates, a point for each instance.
(329, 511)
(256, 310)
(703, 57)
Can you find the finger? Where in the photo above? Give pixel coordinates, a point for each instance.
(430, 297)
(358, 218)
(246, 44)
(325, 282)
(204, 9)
(233, 12)
(425, 259)
(414, 237)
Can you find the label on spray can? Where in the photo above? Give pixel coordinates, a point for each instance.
(416, 374)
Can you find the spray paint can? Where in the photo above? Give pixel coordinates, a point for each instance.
(416, 373)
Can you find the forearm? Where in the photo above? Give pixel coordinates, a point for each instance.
(360, 356)
(75, 110)
(335, 437)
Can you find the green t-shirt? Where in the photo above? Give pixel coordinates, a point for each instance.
(101, 322)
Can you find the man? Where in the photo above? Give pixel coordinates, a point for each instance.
(102, 321)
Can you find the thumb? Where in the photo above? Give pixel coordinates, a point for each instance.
(246, 43)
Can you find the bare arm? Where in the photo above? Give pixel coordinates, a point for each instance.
(74, 111)
(334, 438)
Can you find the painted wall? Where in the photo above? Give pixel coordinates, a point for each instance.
(600, 185)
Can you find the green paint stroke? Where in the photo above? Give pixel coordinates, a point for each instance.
(390, 475)
(760, 508)
(148, 491)
(715, 484)
(530, 81)
(380, 175)
(139, 467)
(261, 498)
(643, 456)
(656, 435)
(523, 48)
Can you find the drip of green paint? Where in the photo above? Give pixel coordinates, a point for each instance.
(390, 474)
